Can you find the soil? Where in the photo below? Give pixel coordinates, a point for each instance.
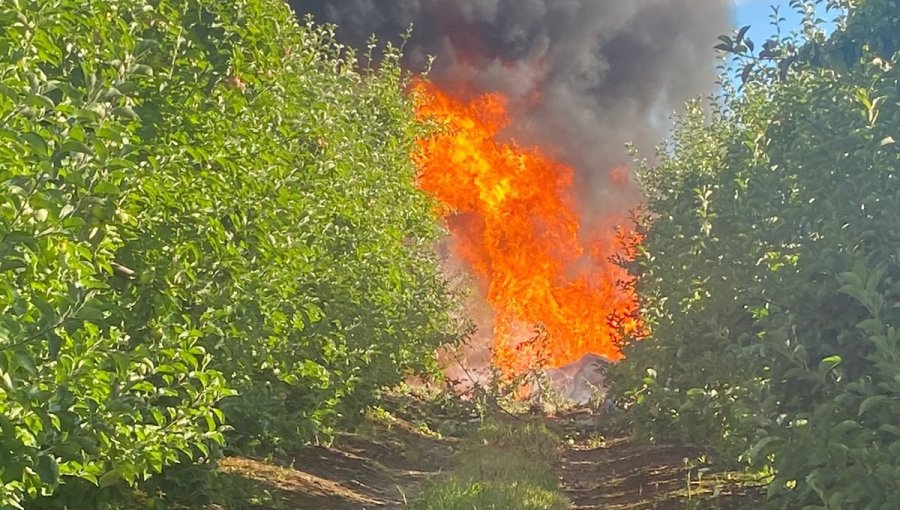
(387, 467)
(384, 468)
(603, 468)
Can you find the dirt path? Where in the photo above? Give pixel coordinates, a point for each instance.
(387, 466)
(603, 469)
(383, 469)
(625, 476)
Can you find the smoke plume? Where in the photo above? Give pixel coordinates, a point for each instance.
(583, 77)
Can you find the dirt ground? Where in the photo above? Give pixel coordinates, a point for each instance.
(383, 469)
(602, 468)
(387, 466)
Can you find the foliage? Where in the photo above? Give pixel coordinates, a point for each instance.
(770, 274)
(202, 201)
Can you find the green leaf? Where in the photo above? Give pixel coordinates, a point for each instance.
(890, 428)
(106, 188)
(142, 69)
(143, 386)
(109, 478)
(871, 326)
(125, 112)
(54, 344)
(845, 426)
(89, 313)
(10, 263)
(758, 449)
(74, 146)
(828, 364)
(36, 142)
(6, 382)
(8, 134)
(48, 470)
(40, 101)
(872, 402)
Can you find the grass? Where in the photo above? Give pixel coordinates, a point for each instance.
(503, 465)
(459, 494)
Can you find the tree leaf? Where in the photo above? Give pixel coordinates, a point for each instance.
(106, 188)
(36, 142)
(75, 146)
(828, 364)
(745, 74)
(110, 478)
(872, 402)
(48, 470)
(759, 448)
(126, 112)
(54, 344)
(741, 33)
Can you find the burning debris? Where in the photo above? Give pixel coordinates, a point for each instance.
(580, 383)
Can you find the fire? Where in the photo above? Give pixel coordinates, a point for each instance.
(514, 221)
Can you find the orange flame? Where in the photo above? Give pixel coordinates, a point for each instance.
(512, 216)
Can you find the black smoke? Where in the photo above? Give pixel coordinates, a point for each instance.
(584, 77)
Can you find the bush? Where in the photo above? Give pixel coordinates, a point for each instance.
(770, 272)
(202, 201)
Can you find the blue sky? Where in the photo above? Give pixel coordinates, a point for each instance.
(756, 13)
(753, 12)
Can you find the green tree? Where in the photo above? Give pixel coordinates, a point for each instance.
(208, 213)
(770, 273)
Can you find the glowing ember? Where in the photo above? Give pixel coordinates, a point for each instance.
(514, 221)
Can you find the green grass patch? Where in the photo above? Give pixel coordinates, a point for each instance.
(461, 494)
(502, 465)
